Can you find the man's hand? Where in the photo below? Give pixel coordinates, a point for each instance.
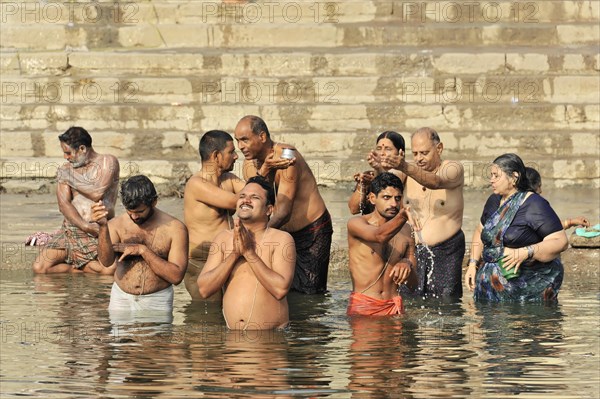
(401, 271)
(128, 249)
(247, 242)
(393, 161)
(272, 163)
(99, 213)
(580, 220)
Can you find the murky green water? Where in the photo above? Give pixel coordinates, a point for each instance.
(58, 341)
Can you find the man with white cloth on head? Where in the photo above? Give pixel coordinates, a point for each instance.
(149, 247)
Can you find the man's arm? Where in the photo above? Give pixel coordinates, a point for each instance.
(64, 197)
(210, 194)
(106, 253)
(359, 228)
(450, 175)
(107, 177)
(173, 268)
(218, 267)
(286, 194)
(279, 279)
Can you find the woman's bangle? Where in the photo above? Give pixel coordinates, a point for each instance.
(473, 261)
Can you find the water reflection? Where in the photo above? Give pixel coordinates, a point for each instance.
(58, 341)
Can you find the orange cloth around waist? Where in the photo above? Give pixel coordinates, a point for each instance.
(361, 304)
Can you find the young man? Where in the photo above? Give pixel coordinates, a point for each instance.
(86, 178)
(254, 263)
(434, 191)
(148, 246)
(381, 251)
(299, 207)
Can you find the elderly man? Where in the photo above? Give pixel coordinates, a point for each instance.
(434, 191)
(299, 207)
(86, 178)
(253, 262)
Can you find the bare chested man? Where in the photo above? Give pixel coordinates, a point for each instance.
(86, 178)
(210, 199)
(381, 251)
(148, 246)
(299, 207)
(434, 191)
(254, 263)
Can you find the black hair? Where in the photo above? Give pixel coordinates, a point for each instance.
(76, 136)
(396, 139)
(137, 190)
(535, 180)
(211, 141)
(511, 163)
(268, 187)
(257, 125)
(385, 180)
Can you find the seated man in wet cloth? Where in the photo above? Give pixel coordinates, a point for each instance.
(148, 246)
(86, 178)
(253, 262)
(515, 249)
(381, 251)
(299, 207)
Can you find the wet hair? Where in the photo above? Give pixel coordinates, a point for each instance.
(431, 133)
(76, 136)
(511, 163)
(137, 190)
(535, 180)
(385, 180)
(268, 187)
(211, 141)
(257, 125)
(396, 139)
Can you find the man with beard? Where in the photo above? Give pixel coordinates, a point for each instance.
(210, 199)
(381, 251)
(86, 178)
(299, 208)
(253, 263)
(434, 191)
(148, 246)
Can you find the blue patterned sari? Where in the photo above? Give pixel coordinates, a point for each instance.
(535, 281)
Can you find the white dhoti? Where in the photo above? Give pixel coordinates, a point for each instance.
(127, 308)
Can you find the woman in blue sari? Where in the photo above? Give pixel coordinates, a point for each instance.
(516, 247)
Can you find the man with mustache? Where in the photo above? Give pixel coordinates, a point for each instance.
(210, 199)
(253, 264)
(86, 178)
(299, 208)
(148, 246)
(381, 251)
(434, 191)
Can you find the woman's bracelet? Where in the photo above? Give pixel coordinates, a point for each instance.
(473, 261)
(530, 251)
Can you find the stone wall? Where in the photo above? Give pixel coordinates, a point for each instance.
(147, 78)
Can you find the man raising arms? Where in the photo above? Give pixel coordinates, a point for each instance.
(299, 207)
(254, 263)
(86, 178)
(381, 251)
(434, 191)
(149, 248)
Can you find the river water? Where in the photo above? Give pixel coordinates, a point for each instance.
(58, 341)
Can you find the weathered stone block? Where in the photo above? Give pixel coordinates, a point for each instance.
(33, 37)
(16, 144)
(573, 62)
(527, 62)
(575, 89)
(578, 34)
(468, 63)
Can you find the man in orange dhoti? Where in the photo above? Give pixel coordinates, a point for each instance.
(381, 251)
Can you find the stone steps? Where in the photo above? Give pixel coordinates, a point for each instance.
(38, 37)
(299, 12)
